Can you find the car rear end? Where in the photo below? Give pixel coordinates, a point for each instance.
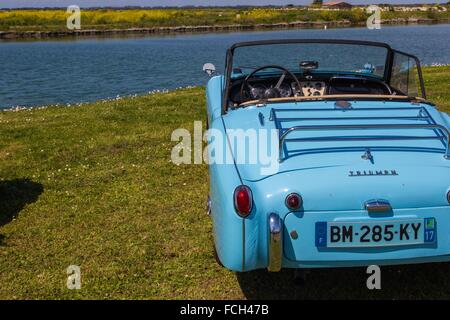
(346, 220)
(361, 196)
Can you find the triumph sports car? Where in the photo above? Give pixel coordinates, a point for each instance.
(325, 153)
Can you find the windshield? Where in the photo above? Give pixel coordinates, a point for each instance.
(293, 69)
(327, 57)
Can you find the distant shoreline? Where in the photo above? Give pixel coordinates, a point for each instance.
(15, 35)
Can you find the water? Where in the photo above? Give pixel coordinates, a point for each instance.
(69, 71)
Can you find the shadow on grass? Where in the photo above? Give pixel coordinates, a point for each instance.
(14, 196)
(425, 281)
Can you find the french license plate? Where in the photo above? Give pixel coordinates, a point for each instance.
(346, 234)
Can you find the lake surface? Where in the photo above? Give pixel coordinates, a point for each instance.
(69, 71)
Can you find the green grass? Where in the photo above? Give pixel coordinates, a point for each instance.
(55, 20)
(94, 186)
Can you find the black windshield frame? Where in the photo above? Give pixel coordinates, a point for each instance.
(387, 68)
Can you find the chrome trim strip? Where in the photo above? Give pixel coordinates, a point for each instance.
(364, 138)
(357, 109)
(243, 245)
(377, 205)
(208, 206)
(368, 126)
(275, 242)
(353, 118)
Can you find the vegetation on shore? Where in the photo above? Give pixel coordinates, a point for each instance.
(107, 19)
(94, 186)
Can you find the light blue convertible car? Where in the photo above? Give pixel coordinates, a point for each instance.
(325, 153)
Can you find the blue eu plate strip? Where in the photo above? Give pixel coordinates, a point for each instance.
(429, 230)
(321, 234)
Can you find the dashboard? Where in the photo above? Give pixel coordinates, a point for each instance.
(313, 88)
(267, 88)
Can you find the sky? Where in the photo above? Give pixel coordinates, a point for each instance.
(111, 3)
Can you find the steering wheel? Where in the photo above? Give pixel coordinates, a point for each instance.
(275, 91)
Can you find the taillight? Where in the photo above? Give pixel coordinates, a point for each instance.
(294, 201)
(243, 200)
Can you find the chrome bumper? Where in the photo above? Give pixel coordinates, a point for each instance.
(275, 242)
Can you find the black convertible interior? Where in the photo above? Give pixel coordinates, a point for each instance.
(282, 83)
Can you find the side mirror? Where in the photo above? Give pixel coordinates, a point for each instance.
(209, 69)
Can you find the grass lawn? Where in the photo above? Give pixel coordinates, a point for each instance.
(94, 186)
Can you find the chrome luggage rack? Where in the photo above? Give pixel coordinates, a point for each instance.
(442, 133)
